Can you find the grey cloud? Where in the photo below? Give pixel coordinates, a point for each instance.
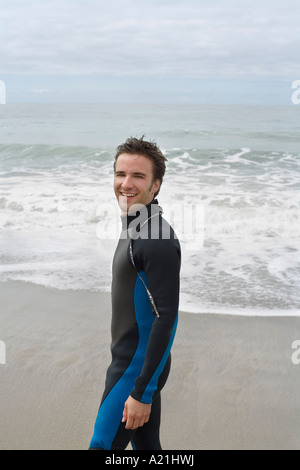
(129, 37)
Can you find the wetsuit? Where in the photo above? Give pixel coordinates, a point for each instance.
(145, 296)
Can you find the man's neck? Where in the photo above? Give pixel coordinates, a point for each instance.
(140, 213)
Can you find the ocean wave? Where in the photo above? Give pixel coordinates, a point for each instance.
(50, 206)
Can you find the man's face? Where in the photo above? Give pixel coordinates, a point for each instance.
(133, 182)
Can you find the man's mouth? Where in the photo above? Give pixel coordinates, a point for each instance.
(127, 194)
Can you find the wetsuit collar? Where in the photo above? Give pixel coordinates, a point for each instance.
(142, 214)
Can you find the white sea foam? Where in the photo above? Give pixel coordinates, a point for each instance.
(249, 263)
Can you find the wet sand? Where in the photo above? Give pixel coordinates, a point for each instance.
(232, 385)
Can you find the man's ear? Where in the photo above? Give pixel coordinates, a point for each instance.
(156, 186)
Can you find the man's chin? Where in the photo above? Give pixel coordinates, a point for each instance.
(128, 206)
(125, 204)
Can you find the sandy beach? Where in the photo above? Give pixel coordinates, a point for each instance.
(232, 386)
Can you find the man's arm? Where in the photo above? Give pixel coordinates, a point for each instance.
(160, 259)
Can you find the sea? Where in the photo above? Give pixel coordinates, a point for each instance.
(232, 190)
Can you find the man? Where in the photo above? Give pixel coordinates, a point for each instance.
(145, 296)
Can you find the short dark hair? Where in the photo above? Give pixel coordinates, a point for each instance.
(147, 149)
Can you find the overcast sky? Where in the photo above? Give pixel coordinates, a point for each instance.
(150, 50)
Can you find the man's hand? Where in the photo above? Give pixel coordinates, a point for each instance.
(135, 413)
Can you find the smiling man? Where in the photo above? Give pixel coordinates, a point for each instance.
(145, 297)
(134, 181)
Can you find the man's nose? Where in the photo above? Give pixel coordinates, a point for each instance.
(127, 182)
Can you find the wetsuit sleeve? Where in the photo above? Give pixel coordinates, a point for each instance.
(160, 260)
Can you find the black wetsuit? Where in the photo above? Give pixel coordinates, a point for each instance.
(146, 262)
